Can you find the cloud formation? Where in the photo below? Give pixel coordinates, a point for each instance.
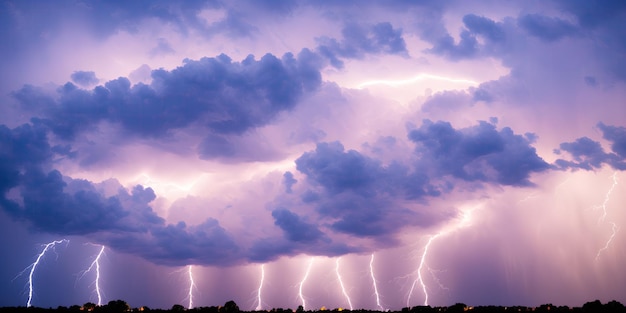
(227, 134)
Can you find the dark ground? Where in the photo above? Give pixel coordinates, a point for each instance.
(119, 306)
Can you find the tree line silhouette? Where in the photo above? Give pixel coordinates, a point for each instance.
(120, 306)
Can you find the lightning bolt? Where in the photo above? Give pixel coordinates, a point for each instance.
(33, 266)
(400, 82)
(192, 286)
(343, 289)
(463, 222)
(420, 278)
(375, 284)
(96, 264)
(306, 276)
(259, 305)
(614, 227)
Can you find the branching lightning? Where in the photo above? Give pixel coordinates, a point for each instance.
(343, 288)
(306, 276)
(259, 305)
(96, 264)
(192, 286)
(463, 222)
(33, 266)
(614, 227)
(375, 284)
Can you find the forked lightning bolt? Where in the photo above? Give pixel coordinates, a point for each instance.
(192, 286)
(343, 288)
(463, 222)
(420, 270)
(259, 305)
(33, 266)
(614, 227)
(375, 284)
(96, 264)
(306, 276)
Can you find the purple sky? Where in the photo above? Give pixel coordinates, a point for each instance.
(476, 150)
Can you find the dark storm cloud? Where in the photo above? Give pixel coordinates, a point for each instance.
(478, 153)
(295, 228)
(29, 19)
(289, 181)
(364, 198)
(483, 26)
(84, 78)
(545, 27)
(604, 22)
(357, 191)
(24, 147)
(617, 136)
(588, 154)
(49, 202)
(224, 96)
(465, 48)
(359, 40)
(468, 46)
(57, 204)
(206, 243)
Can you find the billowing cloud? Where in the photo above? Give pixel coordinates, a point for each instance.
(359, 40)
(545, 27)
(211, 92)
(85, 78)
(478, 153)
(589, 155)
(224, 135)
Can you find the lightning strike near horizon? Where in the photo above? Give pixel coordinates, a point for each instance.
(192, 286)
(33, 266)
(614, 227)
(306, 276)
(343, 288)
(259, 305)
(375, 284)
(96, 264)
(463, 222)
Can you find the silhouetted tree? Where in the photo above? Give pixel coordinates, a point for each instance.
(614, 307)
(89, 306)
(177, 308)
(116, 306)
(457, 308)
(230, 307)
(592, 306)
(300, 309)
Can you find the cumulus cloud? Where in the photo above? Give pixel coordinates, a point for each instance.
(224, 96)
(85, 78)
(359, 40)
(588, 154)
(545, 27)
(479, 153)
